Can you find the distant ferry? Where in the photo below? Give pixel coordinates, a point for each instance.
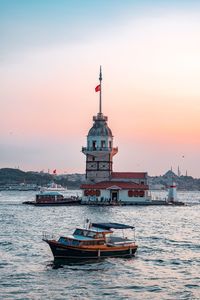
(55, 187)
(20, 187)
(53, 198)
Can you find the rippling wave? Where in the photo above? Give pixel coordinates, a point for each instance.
(166, 265)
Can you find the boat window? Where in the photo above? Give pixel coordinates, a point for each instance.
(100, 235)
(86, 243)
(100, 242)
(90, 234)
(84, 233)
(75, 243)
(68, 242)
(78, 232)
(63, 241)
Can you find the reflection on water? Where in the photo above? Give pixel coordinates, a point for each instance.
(59, 263)
(166, 265)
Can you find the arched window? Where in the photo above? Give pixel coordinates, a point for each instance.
(94, 145)
(130, 193)
(103, 144)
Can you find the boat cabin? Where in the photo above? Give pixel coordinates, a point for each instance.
(85, 237)
(49, 197)
(96, 234)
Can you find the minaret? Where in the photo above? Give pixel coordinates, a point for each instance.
(99, 151)
(179, 172)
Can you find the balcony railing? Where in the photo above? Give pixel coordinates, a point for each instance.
(100, 117)
(99, 149)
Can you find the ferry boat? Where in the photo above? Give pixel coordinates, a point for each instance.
(20, 187)
(54, 187)
(93, 242)
(53, 198)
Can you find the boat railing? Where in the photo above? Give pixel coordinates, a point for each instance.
(119, 240)
(48, 236)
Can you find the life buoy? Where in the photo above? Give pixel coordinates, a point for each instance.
(135, 193)
(92, 192)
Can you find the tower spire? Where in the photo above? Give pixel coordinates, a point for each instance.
(100, 104)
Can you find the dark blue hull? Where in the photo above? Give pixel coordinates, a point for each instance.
(66, 252)
(63, 203)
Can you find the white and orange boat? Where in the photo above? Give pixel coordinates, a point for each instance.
(96, 240)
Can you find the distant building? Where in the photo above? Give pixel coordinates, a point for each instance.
(102, 184)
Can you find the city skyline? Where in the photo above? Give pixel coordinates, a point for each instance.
(50, 58)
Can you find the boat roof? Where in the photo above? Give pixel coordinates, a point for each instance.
(50, 193)
(112, 225)
(95, 229)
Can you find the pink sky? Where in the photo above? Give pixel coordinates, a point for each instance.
(151, 95)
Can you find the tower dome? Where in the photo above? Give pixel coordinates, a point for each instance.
(100, 127)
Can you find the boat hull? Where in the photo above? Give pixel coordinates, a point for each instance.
(61, 203)
(67, 252)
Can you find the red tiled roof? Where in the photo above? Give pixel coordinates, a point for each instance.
(109, 184)
(126, 175)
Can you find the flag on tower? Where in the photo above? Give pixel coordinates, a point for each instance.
(98, 88)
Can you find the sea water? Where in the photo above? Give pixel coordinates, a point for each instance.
(166, 265)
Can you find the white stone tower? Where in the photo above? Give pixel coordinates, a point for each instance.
(99, 151)
(172, 194)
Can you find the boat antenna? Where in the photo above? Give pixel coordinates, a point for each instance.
(88, 223)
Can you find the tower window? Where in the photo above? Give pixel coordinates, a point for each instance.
(94, 145)
(110, 144)
(103, 143)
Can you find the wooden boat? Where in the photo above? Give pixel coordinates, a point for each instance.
(94, 241)
(52, 198)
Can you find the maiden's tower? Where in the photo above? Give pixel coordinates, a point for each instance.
(102, 184)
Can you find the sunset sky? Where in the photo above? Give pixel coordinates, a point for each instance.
(49, 66)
